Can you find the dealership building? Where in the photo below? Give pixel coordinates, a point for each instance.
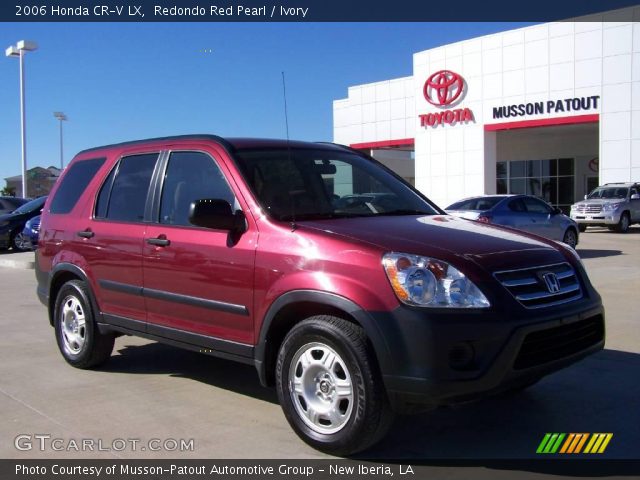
(551, 110)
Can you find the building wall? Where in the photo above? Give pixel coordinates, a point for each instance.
(375, 112)
(554, 61)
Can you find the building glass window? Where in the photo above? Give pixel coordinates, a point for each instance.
(551, 179)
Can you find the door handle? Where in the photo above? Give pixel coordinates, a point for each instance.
(85, 233)
(161, 241)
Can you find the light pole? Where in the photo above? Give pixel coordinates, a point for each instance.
(19, 51)
(62, 117)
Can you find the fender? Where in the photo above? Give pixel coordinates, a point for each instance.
(362, 317)
(78, 272)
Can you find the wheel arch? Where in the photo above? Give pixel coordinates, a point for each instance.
(293, 307)
(61, 274)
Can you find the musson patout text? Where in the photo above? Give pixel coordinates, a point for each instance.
(236, 11)
(193, 470)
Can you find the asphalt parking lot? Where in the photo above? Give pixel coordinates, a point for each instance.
(152, 391)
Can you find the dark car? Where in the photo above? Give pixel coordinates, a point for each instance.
(239, 248)
(523, 212)
(12, 224)
(30, 232)
(9, 204)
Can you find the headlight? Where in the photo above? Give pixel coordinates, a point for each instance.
(611, 206)
(428, 282)
(574, 207)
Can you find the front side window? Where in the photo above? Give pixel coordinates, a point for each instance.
(123, 195)
(190, 176)
(536, 206)
(301, 184)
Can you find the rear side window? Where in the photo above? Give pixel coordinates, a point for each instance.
(123, 199)
(74, 183)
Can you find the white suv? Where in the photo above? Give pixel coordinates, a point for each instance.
(612, 205)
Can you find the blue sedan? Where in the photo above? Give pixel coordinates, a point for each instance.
(523, 212)
(30, 233)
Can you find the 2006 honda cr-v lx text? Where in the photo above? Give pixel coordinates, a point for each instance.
(347, 289)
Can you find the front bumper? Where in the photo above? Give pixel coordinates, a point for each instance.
(451, 358)
(602, 218)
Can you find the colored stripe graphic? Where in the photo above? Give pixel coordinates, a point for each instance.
(550, 443)
(574, 443)
(598, 442)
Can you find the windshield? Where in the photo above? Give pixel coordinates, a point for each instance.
(36, 204)
(609, 192)
(305, 184)
(476, 204)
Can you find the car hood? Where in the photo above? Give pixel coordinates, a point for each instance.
(600, 201)
(447, 238)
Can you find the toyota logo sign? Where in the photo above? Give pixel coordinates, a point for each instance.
(443, 88)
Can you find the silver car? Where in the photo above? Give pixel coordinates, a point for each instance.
(613, 205)
(523, 212)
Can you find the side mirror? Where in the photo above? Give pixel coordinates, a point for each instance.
(635, 196)
(585, 197)
(216, 214)
(557, 211)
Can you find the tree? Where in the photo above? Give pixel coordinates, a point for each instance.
(8, 191)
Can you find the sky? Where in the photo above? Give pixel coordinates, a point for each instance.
(119, 82)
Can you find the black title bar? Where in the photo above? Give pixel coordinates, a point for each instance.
(308, 10)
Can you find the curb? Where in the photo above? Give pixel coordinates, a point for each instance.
(24, 262)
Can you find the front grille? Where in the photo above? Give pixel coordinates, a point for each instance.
(555, 343)
(589, 208)
(528, 285)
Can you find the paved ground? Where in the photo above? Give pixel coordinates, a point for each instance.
(148, 390)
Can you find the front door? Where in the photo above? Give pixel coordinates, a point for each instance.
(198, 282)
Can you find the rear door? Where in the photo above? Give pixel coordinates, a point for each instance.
(111, 239)
(198, 282)
(542, 220)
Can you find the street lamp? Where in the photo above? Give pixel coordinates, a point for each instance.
(62, 117)
(19, 51)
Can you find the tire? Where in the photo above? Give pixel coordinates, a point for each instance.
(318, 355)
(20, 242)
(623, 224)
(570, 238)
(582, 228)
(79, 340)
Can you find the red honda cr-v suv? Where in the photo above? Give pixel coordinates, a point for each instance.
(347, 289)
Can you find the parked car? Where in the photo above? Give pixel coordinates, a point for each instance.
(523, 212)
(12, 224)
(613, 205)
(238, 248)
(9, 204)
(31, 231)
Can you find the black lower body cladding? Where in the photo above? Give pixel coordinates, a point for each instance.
(449, 357)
